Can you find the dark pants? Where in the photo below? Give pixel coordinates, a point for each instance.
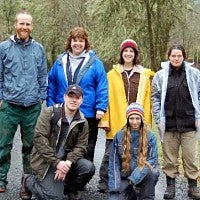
(50, 189)
(146, 187)
(10, 117)
(103, 171)
(93, 133)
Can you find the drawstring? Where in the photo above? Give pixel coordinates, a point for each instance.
(72, 79)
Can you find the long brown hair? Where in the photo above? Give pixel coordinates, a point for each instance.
(142, 149)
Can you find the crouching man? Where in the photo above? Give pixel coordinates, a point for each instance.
(60, 143)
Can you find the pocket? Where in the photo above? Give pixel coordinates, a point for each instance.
(189, 112)
(135, 81)
(169, 113)
(170, 86)
(7, 69)
(186, 92)
(7, 61)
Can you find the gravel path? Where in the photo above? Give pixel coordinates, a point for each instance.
(14, 176)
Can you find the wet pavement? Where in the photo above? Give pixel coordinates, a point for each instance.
(91, 193)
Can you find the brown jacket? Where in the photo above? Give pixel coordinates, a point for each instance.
(43, 153)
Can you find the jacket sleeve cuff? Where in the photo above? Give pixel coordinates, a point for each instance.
(137, 176)
(54, 164)
(103, 123)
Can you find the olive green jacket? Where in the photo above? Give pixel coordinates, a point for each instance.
(43, 153)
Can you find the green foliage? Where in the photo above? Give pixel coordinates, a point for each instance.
(149, 23)
(52, 21)
(153, 24)
(115, 21)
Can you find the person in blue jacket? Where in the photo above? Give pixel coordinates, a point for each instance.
(133, 159)
(23, 85)
(80, 65)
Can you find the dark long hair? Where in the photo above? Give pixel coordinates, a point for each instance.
(135, 60)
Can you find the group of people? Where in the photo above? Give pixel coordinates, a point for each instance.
(59, 139)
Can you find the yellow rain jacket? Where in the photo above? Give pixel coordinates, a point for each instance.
(115, 117)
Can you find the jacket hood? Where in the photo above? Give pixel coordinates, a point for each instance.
(60, 57)
(119, 68)
(12, 38)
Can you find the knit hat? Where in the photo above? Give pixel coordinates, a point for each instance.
(128, 43)
(135, 108)
(76, 89)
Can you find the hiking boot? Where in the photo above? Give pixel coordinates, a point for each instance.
(193, 190)
(84, 188)
(2, 189)
(170, 190)
(75, 195)
(102, 188)
(24, 194)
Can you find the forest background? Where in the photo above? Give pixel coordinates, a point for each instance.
(153, 24)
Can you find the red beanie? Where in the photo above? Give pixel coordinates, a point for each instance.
(128, 43)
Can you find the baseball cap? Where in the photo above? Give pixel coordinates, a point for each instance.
(76, 89)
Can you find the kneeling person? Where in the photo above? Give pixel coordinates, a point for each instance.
(133, 159)
(57, 157)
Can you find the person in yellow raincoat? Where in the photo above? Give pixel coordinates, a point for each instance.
(128, 82)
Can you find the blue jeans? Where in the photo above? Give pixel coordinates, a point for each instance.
(146, 187)
(49, 189)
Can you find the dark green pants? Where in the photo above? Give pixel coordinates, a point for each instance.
(10, 117)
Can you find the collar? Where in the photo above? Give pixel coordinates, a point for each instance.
(83, 54)
(76, 117)
(21, 41)
(136, 69)
(172, 70)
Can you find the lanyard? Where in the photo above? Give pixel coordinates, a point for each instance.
(72, 79)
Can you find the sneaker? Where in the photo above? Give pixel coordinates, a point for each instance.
(2, 189)
(24, 194)
(101, 190)
(75, 195)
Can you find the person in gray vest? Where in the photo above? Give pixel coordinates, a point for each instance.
(57, 156)
(176, 109)
(23, 73)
